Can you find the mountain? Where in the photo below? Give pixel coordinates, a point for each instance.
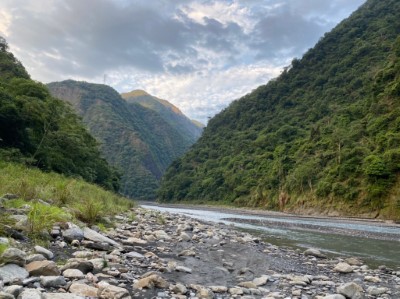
(133, 138)
(322, 137)
(190, 130)
(38, 130)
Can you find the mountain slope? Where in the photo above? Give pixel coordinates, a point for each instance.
(39, 130)
(189, 129)
(133, 138)
(324, 135)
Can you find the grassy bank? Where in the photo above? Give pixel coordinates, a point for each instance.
(49, 198)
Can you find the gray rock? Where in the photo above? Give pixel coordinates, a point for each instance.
(5, 295)
(350, 290)
(183, 269)
(178, 288)
(375, 291)
(72, 234)
(94, 236)
(259, 281)
(10, 196)
(45, 252)
(82, 289)
(343, 268)
(45, 268)
(30, 294)
(219, 289)
(134, 254)
(35, 258)
(184, 237)
(61, 296)
(161, 235)
(107, 291)
(14, 290)
(13, 256)
(335, 296)
(314, 252)
(12, 272)
(73, 273)
(84, 266)
(52, 281)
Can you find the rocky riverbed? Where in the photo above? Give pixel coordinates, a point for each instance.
(160, 255)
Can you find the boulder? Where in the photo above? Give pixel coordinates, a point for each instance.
(260, 281)
(314, 252)
(14, 290)
(30, 294)
(45, 252)
(12, 272)
(13, 256)
(107, 291)
(45, 268)
(72, 234)
(350, 290)
(84, 266)
(153, 280)
(82, 289)
(343, 268)
(5, 295)
(73, 274)
(52, 281)
(178, 289)
(94, 236)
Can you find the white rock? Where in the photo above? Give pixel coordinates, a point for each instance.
(183, 269)
(259, 281)
(376, 291)
(335, 296)
(97, 237)
(350, 290)
(343, 268)
(73, 273)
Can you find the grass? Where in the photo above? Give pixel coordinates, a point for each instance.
(67, 197)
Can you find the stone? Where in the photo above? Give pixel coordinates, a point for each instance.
(94, 236)
(299, 280)
(161, 235)
(73, 273)
(236, 291)
(52, 281)
(45, 268)
(14, 290)
(247, 284)
(183, 269)
(353, 261)
(314, 252)
(108, 291)
(61, 296)
(219, 289)
(334, 296)
(350, 290)
(11, 272)
(372, 279)
(82, 289)
(184, 237)
(72, 234)
(30, 294)
(98, 263)
(45, 252)
(101, 246)
(5, 295)
(187, 252)
(260, 281)
(343, 268)
(153, 280)
(205, 293)
(13, 256)
(178, 289)
(134, 241)
(375, 291)
(35, 258)
(84, 266)
(134, 254)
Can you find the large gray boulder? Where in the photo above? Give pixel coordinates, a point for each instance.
(94, 236)
(13, 256)
(12, 272)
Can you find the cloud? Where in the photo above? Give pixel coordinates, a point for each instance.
(199, 54)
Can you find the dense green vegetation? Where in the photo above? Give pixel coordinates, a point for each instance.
(190, 130)
(324, 135)
(135, 139)
(39, 130)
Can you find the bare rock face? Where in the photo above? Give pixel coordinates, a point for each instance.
(45, 268)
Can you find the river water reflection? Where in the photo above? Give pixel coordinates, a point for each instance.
(374, 252)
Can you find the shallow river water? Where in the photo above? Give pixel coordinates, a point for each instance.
(364, 239)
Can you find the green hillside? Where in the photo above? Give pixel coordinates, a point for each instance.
(39, 130)
(190, 130)
(324, 136)
(135, 139)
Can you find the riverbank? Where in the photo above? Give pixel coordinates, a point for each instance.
(150, 254)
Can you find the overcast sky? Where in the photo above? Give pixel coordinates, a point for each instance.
(198, 54)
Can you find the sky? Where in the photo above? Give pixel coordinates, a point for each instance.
(198, 54)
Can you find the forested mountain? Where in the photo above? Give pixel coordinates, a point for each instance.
(324, 135)
(39, 130)
(189, 129)
(133, 138)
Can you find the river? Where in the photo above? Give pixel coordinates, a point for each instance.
(375, 242)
